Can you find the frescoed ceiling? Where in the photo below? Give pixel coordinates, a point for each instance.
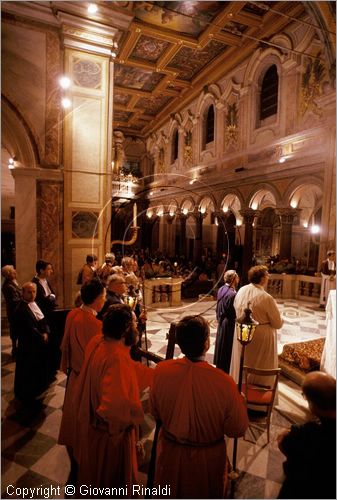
(169, 50)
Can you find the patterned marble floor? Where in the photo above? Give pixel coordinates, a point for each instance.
(31, 457)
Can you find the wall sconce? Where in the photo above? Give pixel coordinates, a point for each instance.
(65, 82)
(254, 205)
(315, 229)
(216, 222)
(92, 8)
(11, 163)
(66, 103)
(305, 224)
(225, 209)
(282, 159)
(293, 204)
(238, 222)
(185, 211)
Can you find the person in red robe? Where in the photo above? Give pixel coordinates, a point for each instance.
(81, 326)
(109, 406)
(197, 406)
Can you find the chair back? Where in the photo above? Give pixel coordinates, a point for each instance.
(260, 393)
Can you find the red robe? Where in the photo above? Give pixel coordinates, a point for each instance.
(197, 405)
(108, 399)
(81, 326)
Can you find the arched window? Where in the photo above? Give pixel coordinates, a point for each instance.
(269, 93)
(175, 145)
(209, 125)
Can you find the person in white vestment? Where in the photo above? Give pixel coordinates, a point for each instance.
(262, 351)
(328, 273)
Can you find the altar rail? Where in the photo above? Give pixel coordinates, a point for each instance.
(294, 286)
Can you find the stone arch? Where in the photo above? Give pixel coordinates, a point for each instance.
(259, 64)
(17, 138)
(308, 198)
(187, 205)
(232, 202)
(264, 195)
(205, 202)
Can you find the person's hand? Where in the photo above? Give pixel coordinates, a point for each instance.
(280, 438)
(143, 317)
(45, 338)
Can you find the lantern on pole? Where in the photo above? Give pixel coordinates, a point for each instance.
(245, 328)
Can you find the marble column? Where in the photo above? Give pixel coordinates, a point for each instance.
(170, 237)
(287, 216)
(182, 219)
(199, 217)
(248, 215)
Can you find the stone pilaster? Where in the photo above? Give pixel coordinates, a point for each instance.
(87, 143)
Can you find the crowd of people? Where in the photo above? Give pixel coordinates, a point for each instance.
(194, 403)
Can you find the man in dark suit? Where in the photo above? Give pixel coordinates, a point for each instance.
(46, 300)
(32, 332)
(13, 294)
(116, 289)
(45, 296)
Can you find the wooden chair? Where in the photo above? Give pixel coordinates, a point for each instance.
(261, 395)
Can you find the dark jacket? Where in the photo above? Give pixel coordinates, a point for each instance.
(111, 298)
(46, 303)
(12, 294)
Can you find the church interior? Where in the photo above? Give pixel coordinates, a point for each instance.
(194, 131)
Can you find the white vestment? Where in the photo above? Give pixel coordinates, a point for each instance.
(262, 351)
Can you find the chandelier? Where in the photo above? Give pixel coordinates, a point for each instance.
(123, 186)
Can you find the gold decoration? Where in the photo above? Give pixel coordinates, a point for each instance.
(311, 86)
(232, 126)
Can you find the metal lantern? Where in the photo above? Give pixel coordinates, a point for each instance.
(245, 327)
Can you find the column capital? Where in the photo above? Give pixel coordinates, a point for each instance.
(249, 215)
(287, 214)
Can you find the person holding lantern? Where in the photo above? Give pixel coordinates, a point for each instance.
(261, 352)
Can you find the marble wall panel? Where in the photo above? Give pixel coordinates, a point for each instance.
(50, 229)
(86, 150)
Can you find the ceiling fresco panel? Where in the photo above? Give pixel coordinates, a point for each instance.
(154, 105)
(149, 49)
(252, 8)
(190, 61)
(234, 28)
(122, 116)
(188, 18)
(136, 78)
(122, 99)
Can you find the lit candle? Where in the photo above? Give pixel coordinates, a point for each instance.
(134, 214)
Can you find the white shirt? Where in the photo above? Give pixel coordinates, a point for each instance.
(45, 285)
(36, 310)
